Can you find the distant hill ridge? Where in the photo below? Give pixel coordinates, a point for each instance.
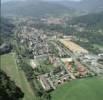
(33, 8)
(91, 20)
(85, 5)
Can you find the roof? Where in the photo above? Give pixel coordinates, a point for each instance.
(67, 59)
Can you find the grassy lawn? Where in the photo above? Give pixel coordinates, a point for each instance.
(98, 46)
(84, 89)
(46, 66)
(8, 64)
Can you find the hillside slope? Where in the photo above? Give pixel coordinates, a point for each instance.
(94, 20)
(85, 5)
(33, 8)
(6, 30)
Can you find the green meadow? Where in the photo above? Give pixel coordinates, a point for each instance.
(83, 89)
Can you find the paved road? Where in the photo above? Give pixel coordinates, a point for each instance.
(67, 52)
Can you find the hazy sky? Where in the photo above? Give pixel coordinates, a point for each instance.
(10, 0)
(44, 0)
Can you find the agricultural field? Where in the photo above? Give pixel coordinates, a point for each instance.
(75, 48)
(83, 89)
(8, 64)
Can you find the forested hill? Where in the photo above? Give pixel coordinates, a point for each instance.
(6, 28)
(91, 20)
(85, 5)
(34, 8)
(92, 31)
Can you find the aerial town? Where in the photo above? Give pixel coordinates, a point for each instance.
(68, 60)
(51, 50)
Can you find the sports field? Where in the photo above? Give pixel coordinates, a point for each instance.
(8, 64)
(84, 89)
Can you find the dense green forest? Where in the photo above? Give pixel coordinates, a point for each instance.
(6, 30)
(94, 20)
